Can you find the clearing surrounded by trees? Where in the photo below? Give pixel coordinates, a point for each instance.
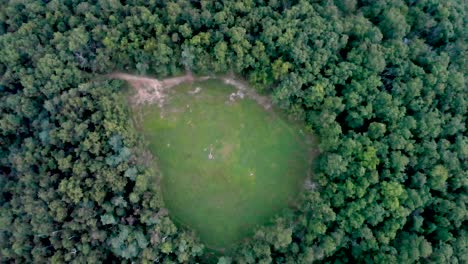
(227, 164)
(203, 168)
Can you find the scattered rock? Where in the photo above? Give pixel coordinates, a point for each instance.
(309, 185)
(197, 90)
(210, 155)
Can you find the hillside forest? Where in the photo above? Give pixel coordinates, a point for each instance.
(381, 84)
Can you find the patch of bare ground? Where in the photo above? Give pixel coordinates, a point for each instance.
(153, 91)
(150, 90)
(244, 90)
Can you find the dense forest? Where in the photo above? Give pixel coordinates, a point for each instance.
(381, 83)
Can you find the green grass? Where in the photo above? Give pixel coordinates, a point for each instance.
(259, 161)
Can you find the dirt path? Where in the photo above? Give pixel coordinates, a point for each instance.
(152, 91)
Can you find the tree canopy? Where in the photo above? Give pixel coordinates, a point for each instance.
(381, 83)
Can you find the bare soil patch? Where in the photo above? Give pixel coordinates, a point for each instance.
(226, 150)
(150, 90)
(153, 91)
(244, 89)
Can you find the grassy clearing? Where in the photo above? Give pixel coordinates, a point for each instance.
(227, 166)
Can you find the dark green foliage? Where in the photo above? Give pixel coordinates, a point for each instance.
(380, 82)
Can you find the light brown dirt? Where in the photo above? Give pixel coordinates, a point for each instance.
(226, 150)
(249, 92)
(153, 91)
